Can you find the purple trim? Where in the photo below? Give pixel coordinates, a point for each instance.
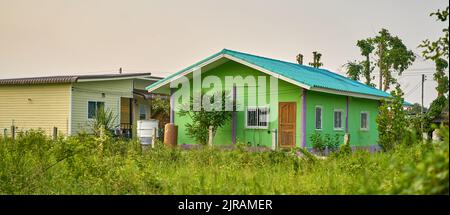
(224, 147)
(304, 118)
(234, 117)
(172, 107)
(370, 148)
(346, 116)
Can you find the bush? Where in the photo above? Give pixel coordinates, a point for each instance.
(85, 164)
(320, 144)
(391, 121)
(104, 120)
(202, 119)
(430, 174)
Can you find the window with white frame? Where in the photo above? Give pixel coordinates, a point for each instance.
(257, 117)
(337, 120)
(143, 111)
(364, 120)
(94, 107)
(318, 117)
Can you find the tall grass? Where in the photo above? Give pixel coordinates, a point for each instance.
(37, 164)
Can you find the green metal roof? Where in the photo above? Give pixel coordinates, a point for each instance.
(310, 76)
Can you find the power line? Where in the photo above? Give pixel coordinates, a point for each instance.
(413, 89)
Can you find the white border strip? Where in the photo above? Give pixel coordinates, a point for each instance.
(111, 79)
(186, 72)
(267, 72)
(358, 95)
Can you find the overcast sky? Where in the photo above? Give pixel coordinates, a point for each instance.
(60, 37)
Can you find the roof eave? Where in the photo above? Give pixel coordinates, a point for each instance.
(221, 55)
(112, 78)
(347, 93)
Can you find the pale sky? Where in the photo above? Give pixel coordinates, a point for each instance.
(62, 37)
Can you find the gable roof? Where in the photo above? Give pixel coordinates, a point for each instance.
(73, 79)
(310, 78)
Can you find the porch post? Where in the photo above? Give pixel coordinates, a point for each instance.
(303, 117)
(172, 108)
(132, 117)
(346, 116)
(234, 117)
(130, 106)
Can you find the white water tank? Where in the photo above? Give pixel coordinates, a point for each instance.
(145, 130)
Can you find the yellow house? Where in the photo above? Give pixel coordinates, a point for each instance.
(70, 102)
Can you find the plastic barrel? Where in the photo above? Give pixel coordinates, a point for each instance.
(170, 135)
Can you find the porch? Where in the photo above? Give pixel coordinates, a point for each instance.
(134, 109)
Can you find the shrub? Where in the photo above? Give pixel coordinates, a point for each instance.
(202, 119)
(332, 143)
(430, 174)
(34, 163)
(103, 119)
(318, 143)
(391, 121)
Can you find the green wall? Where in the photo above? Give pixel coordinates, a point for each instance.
(254, 137)
(288, 93)
(330, 102)
(360, 137)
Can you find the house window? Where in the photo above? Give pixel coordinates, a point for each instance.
(318, 118)
(337, 120)
(143, 112)
(257, 117)
(364, 120)
(94, 107)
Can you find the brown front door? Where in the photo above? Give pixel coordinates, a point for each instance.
(287, 119)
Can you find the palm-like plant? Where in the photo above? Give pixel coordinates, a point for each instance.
(103, 120)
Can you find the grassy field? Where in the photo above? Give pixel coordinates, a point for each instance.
(35, 164)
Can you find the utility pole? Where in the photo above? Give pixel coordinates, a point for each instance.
(421, 106)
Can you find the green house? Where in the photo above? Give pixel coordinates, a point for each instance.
(303, 100)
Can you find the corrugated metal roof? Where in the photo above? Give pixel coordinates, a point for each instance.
(66, 79)
(39, 80)
(310, 76)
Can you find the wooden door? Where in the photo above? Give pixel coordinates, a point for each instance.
(287, 119)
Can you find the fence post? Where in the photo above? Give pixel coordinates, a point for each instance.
(274, 139)
(4, 132)
(55, 133)
(154, 137)
(210, 136)
(13, 132)
(346, 139)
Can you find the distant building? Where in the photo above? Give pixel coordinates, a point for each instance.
(71, 102)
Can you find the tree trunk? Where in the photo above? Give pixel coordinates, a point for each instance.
(380, 65)
(386, 82)
(367, 70)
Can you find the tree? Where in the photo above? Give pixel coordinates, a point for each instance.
(392, 121)
(354, 69)
(366, 48)
(202, 119)
(316, 60)
(357, 68)
(415, 109)
(393, 56)
(160, 110)
(437, 51)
